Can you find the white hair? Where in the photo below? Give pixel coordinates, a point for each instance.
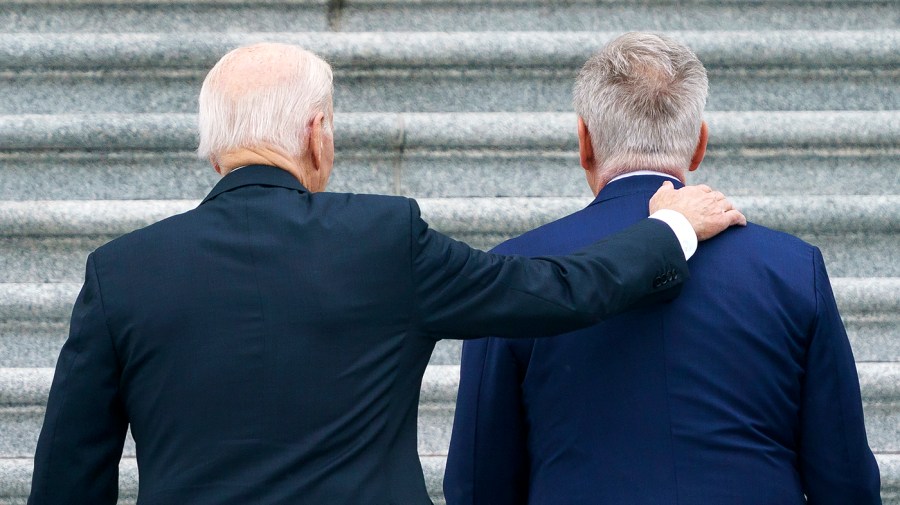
(642, 98)
(275, 113)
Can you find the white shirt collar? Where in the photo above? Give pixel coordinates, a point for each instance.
(644, 172)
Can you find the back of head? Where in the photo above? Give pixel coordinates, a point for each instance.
(264, 95)
(642, 99)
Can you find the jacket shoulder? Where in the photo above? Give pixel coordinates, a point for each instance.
(366, 210)
(761, 238)
(147, 234)
(558, 237)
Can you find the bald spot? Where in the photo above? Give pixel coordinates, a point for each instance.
(256, 67)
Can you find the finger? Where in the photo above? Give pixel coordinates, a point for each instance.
(735, 217)
(718, 195)
(705, 188)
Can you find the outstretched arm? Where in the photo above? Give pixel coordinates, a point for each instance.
(459, 291)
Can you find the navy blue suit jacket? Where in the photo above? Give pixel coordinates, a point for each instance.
(741, 391)
(268, 346)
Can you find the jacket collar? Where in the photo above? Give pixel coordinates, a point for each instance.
(255, 175)
(633, 185)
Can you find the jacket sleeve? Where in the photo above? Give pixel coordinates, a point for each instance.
(463, 292)
(488, 458)
(836, 465)
(78, 452)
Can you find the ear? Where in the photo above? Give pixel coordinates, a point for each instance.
(585, 147)
(700, 152)
(316, 144)
(215, 164)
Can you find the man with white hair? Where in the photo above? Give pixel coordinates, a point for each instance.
(268, 346)
(743, 390)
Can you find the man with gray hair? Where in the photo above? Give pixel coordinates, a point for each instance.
(268, 346)
(742, 390)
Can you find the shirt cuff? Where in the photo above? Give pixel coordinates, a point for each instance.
(682, 228)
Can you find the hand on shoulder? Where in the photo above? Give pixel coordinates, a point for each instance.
(708, 211)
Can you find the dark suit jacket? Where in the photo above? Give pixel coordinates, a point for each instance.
(741, 391)
(268, 347)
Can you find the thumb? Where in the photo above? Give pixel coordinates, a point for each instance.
(667, 185)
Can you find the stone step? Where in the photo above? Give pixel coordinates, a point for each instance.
(652, 15)
(47, 241)
(809, 49)
(34, 320)
(177, 16)
(149, 156)
(451, 72)
(23, 391)
(439, 15)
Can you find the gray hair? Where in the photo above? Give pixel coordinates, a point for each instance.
(274, 114)
(642, 98)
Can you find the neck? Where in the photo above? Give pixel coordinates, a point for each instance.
(231, 160)
(602, 178)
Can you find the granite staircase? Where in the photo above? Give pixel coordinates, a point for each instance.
(462, 104)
